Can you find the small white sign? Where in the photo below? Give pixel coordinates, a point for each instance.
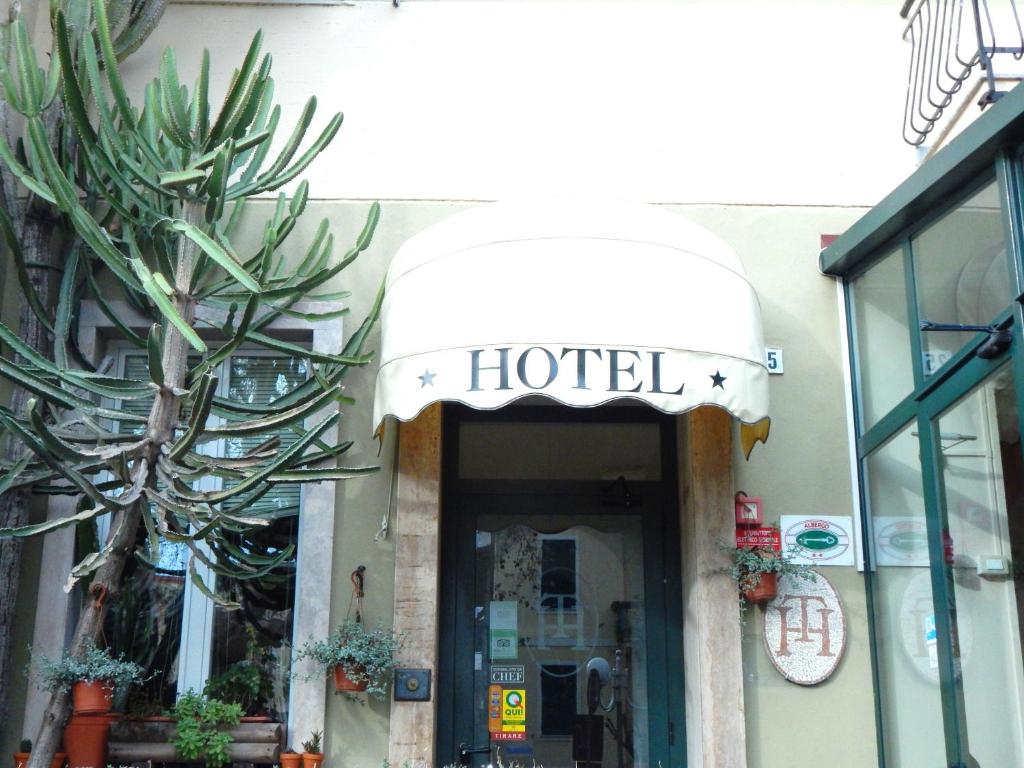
(773, 359)
(818, 539)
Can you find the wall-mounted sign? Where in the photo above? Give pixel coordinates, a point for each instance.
(805, 629)
(750, 537)
(749, 509)
(773, 359)
(900, 541)
(508, 673)
(819, 539)
(504, 629)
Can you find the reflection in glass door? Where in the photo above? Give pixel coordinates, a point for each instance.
(983, 537)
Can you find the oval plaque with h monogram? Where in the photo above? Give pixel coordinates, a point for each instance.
(805, 629)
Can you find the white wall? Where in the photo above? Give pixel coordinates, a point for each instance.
(701, 101)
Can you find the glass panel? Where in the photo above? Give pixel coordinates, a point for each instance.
(250, 657)
(983, 476)
(907, 665)
(556, 597)
(962, 274)
(249, 660)
(880, 319)
(550, 451)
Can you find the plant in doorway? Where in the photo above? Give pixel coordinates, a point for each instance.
(360, 659)
(756, 570)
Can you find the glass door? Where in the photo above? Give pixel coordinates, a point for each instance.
(976, 445)
(562, 632)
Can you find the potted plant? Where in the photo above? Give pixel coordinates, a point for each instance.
(361, 659)
(312, 757)
(755, 570)
(201, 725)
(25, 751)
(289, 758)
(92, 677)
(245, 683)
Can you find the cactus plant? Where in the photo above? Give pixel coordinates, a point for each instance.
(153, 201)
(35, 221)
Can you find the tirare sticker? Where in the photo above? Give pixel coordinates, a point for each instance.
(820, 540)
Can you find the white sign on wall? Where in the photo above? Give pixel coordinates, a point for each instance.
(818, 539)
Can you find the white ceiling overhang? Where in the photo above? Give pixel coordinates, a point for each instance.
(582, 302)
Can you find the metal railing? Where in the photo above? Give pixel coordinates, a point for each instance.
(949, 39)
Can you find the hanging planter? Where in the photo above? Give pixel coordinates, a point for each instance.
(360, 659)
(756, 570)
(766, 589)
(356, 683)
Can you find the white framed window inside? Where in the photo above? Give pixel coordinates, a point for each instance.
(165, 621)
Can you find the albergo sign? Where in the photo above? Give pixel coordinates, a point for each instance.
(824, 540)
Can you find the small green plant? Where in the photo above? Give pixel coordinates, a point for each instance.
(201, 724)
(245, 683)
(312, 745)
(25, 746)
(92, 666)
(750, 564)
(367, 655)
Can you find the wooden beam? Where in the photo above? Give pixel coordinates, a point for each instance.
(417, 567)
(712, 651)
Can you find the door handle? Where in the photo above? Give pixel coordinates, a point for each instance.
(465, 751)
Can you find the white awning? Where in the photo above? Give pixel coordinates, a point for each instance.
(583, 302)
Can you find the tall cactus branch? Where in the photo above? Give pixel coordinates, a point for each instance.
(150, 203)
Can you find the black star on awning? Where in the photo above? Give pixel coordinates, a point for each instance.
(717, 380)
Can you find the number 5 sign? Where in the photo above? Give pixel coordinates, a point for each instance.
(773, 359)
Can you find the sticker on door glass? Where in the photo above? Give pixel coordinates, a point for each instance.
(504, 629)
(513, 711)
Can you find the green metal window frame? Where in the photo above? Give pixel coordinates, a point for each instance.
(990, 149)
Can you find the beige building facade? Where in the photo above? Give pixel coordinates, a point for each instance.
(771, 126)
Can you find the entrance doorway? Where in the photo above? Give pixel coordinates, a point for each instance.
(560, 637)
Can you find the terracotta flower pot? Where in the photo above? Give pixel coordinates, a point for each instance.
(767, 588)
(95, 697)
(312, 759)
(21, 759)
(342, 683)
(85, 739)
(290, 759)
